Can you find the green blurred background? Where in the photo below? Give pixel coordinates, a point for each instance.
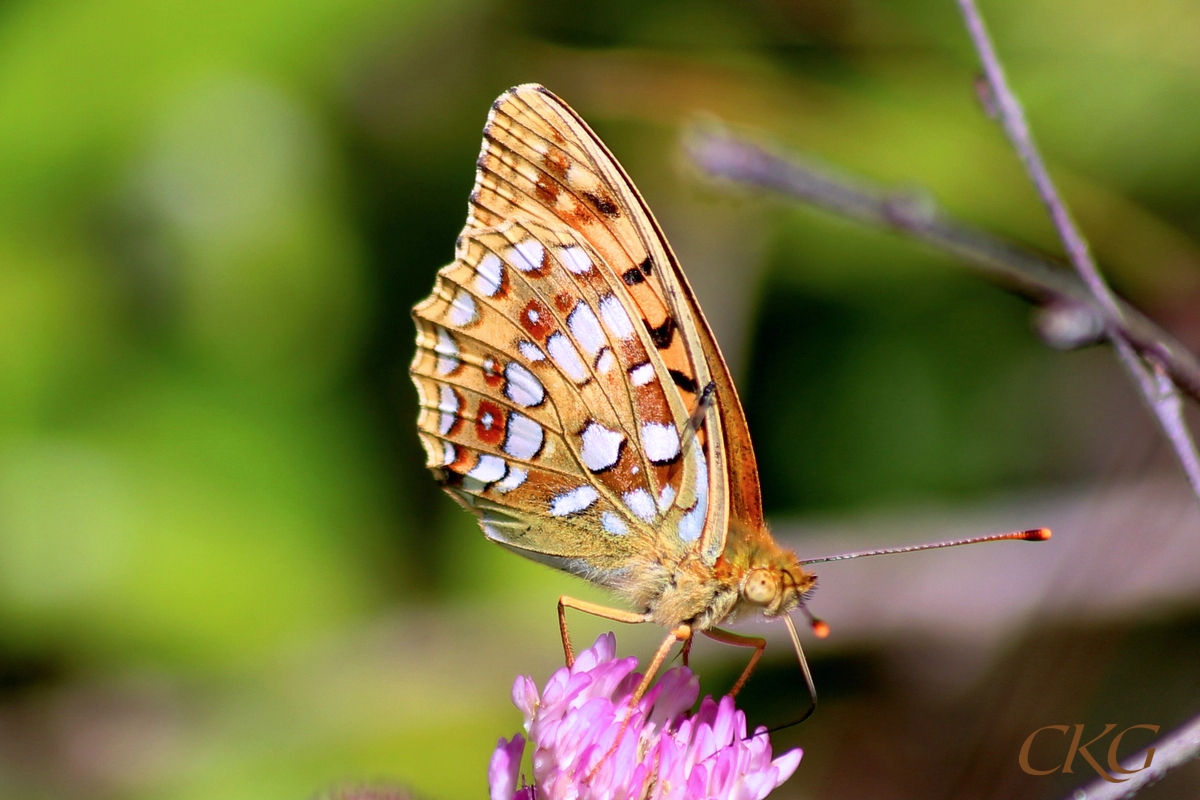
(224, 571)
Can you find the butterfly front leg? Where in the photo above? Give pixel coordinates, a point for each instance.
(595, 609)
(680, 633)
(738, 640)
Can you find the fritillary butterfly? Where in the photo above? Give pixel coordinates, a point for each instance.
(574, 399)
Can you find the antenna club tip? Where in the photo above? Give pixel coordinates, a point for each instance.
(820, 628)
(1037, 535)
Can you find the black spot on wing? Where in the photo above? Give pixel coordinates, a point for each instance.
(602, 203)
(663, 334)
(632, 277)
(646, 266)
(684, 382)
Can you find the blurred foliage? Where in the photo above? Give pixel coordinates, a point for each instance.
(214, 217)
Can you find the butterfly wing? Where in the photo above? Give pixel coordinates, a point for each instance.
(560, 356)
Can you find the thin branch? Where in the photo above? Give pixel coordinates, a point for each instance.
(1162, 399)
(1171, 751)
(1019, 269)
(1012, 117)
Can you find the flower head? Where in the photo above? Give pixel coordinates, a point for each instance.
(589, 744)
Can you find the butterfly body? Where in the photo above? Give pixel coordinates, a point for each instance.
(572, 395)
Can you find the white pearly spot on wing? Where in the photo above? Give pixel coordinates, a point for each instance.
(615, 318)
(601, 446)
(613, 524)
(572, 502)
(462, 309)
(641, 374)
(640, 503)
(489, 275)
(586, 328)
(522, 386)
(516, 476)
(524, 438)
(527, 256)
(606, 361)
(531, 351)
(448, 405)
(566, 356)
(449, 454)
(660, 442)
(576, 260)
(666, 497)
(447, 350)
(692, 523)
(489, 468)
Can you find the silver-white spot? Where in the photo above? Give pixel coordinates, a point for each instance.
(449, 454)
(525, 437)
(615, 318)
(613, 524)
(527, 256)
(522, 386)
(576, 260)
(660, 442)
(489, 275)
(462, 309)
(567, 357)
(447, 350)
(666, 497)
(573, 502)
(489, 468)
(586, 328)
(692, 523)
(448, 405)
(606, 361)
(601, 446)
(531, 351)
(515, 477)
(640, 503)
(493, 526)
(642, 374)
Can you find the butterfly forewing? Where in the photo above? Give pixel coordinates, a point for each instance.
(561, 354)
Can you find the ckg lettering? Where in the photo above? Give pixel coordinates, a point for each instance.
(1078, 748)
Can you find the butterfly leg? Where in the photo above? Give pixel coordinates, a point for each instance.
(681, 634)
(595, 609)
(728, 637)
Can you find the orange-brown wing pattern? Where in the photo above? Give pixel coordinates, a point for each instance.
(560, 355)
(536, 147)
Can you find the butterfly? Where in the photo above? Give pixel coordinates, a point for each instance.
(573, 397)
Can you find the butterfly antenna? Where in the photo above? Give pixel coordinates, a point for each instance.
(820, 627)
(1032, 535)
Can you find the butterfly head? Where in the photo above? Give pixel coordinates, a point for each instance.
(775, 585)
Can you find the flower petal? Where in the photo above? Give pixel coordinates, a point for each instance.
(504, 768)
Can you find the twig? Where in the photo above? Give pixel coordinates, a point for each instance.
(1012, 117)
(1171, 751)
(1163, 398)
(1159, 393)
(1017, 268)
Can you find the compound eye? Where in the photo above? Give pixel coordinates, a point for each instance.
(760, 587)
